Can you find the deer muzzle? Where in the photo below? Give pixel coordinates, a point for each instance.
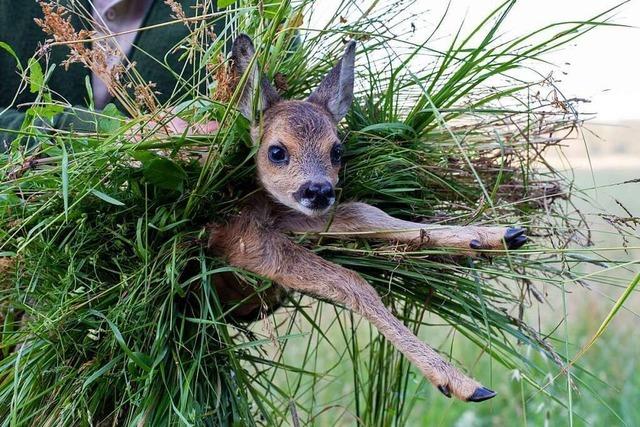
(315, 195)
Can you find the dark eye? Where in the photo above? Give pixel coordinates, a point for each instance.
(278, 155)
(336, 154)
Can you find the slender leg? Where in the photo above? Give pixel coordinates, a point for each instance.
(364, 220)
(267, 252)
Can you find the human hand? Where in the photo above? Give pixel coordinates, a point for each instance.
(179, 126)
(173, 125)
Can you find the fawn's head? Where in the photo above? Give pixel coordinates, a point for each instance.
(300, 153)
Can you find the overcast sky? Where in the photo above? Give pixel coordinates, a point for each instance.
(604, 65)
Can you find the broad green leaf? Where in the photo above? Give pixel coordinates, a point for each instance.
(110, 119)
(46, 111)
(36, 76)
(272, 7)
(106, 198)
(11, 52)
(144, 156)
(224, 3)
(165, 174)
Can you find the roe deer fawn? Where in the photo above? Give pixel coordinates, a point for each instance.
(297, 162)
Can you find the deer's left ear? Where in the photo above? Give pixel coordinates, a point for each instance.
(245, 64)
(335, 93)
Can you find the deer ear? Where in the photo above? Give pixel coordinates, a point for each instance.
(256, 88)
(335, 93)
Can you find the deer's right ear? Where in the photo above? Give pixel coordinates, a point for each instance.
(255, 88)
(335, 93)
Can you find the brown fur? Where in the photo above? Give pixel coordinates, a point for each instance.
(256, 239)
(241, 300)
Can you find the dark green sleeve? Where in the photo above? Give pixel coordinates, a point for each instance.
(74, 119)
(10, 121)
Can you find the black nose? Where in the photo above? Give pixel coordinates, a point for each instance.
(315, 195)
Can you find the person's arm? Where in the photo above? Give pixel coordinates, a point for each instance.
(10, 122)
(82, 120)
(77, 118)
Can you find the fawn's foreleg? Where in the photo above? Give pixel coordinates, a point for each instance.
(364, 220)
(269, 253)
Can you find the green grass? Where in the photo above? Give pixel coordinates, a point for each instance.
(109, 312)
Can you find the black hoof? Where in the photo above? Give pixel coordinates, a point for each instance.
(445, 390)
(475, 244)
(481, 394)
(515, 238)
